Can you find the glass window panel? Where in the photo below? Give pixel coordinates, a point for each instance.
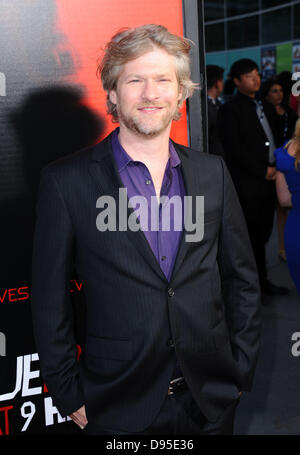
(276, 26)
(243, 32)
(234, 8)
(214, 37)
(296, 21)
(213, 10)
(271, 3)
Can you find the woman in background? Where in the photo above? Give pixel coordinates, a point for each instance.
(285, 120)
(286, 117)
(288, 193)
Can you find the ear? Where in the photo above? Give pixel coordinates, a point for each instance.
(236, 81)
(180, 99)
(219, 83)
(112, 96)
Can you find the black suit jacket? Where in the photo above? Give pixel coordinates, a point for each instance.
(210, 307)
(244, 142)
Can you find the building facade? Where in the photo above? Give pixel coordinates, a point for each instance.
(267, 31)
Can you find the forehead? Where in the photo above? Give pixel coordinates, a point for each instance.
(156, 61)
(253, 72)
(276, 87)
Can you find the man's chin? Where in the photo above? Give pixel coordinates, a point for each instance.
(146, 131)
(148, 134)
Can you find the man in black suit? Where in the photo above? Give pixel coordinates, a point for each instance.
(173, 307)
(215, 84)
(248, 135)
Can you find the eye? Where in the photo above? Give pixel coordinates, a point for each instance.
(134, 80)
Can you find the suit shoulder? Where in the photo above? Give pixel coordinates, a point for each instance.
(68, 161)
(204, 163)
(200, 156)
(230, 106)
(76, 161)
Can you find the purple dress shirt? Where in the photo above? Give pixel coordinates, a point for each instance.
(164, 239)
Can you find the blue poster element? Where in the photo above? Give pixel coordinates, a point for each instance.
(268, 62)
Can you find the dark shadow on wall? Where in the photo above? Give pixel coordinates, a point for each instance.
(34, 54)
(41, 119)
(50, 124)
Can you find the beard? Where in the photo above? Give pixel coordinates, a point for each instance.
(149, 126)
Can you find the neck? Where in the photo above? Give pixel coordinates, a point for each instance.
(154, 150)
(251, 95)
(279, 109)
(212, 92)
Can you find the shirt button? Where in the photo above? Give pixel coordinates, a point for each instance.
(171, 292)
(148, 182)
(170, 343)
(163, 258)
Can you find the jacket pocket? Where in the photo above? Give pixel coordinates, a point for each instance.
(109, 348)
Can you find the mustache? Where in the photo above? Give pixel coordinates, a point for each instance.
(149, 104)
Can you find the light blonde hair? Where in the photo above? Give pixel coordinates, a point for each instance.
(296, 142)
(129, 44)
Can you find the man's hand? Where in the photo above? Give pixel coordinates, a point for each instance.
(271, 173)
(79, 417)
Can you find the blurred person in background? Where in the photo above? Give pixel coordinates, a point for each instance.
(286, 117)
(285, 80)
(229, 89)
(288, 192)
(249, 144)
(215, 84)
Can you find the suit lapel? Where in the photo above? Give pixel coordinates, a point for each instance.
(191, 180)
(103, 171)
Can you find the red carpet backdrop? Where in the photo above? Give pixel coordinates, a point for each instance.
(51, 105)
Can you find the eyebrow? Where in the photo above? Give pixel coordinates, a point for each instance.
(141, 76)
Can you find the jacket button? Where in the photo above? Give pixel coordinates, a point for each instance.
(170, 343)
(171, 292)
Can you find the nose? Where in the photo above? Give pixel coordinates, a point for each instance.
(150, 90)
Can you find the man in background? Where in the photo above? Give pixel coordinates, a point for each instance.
(215, 84)
(247, 133)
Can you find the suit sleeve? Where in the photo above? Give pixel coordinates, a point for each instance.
(240, 284)
(236, 150)
(52, 315)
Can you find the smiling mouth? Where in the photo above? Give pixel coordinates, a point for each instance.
(150, 109)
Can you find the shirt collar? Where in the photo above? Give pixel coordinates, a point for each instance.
(123, 159)
(247, 97)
